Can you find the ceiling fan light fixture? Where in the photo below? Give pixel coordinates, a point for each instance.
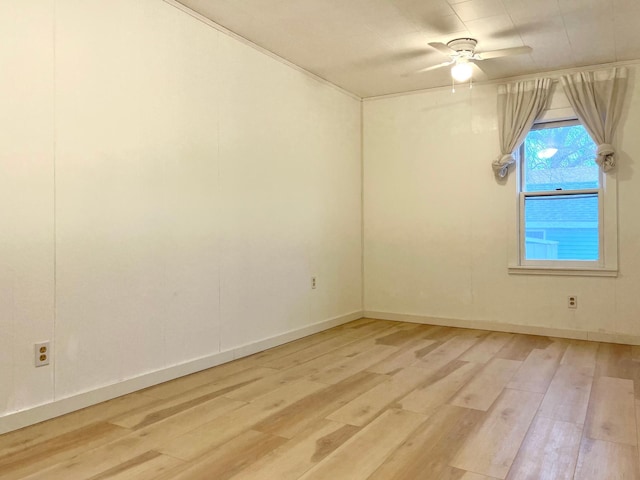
(461, 71)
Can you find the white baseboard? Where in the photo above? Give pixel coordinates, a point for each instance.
(40, 413)
(508, 327)
(260, 345)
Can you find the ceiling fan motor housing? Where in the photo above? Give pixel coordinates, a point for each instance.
(464, 46)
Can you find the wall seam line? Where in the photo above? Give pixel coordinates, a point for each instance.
(55, 203)
(362, 207)
(219, 190)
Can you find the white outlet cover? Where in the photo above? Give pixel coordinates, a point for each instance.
(37, 353)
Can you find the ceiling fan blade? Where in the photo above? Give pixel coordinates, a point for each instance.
(435, 67)
(505, 52)
(442, 48)
(479, 75)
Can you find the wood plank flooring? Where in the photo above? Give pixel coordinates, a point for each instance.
(371, 399)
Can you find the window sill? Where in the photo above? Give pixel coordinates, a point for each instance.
(581, 272)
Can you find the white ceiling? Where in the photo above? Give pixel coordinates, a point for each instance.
(368, 46)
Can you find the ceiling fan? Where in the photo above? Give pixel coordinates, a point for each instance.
(462, 54)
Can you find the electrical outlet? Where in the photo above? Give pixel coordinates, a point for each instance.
(572, 301)
(42, 353)
(314, 282)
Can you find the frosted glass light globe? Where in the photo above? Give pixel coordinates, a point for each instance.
(462, 71)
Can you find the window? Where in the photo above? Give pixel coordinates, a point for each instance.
(563, 223)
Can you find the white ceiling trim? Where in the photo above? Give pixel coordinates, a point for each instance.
(553, 74)
(235, 36)
(373, 48)
(459, 87)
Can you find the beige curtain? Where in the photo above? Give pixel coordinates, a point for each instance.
(597, 99)
(520, 104)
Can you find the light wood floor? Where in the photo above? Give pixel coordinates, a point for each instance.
(368, 400)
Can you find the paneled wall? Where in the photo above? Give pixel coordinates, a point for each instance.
(438, 227)
(168, 193)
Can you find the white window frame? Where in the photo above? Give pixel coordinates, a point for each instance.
(607, 263)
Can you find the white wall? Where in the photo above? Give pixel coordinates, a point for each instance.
(26, 199)
(168, 193)
(437, 224)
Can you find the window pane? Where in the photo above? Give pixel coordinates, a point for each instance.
(560, 158)
(563, 227)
